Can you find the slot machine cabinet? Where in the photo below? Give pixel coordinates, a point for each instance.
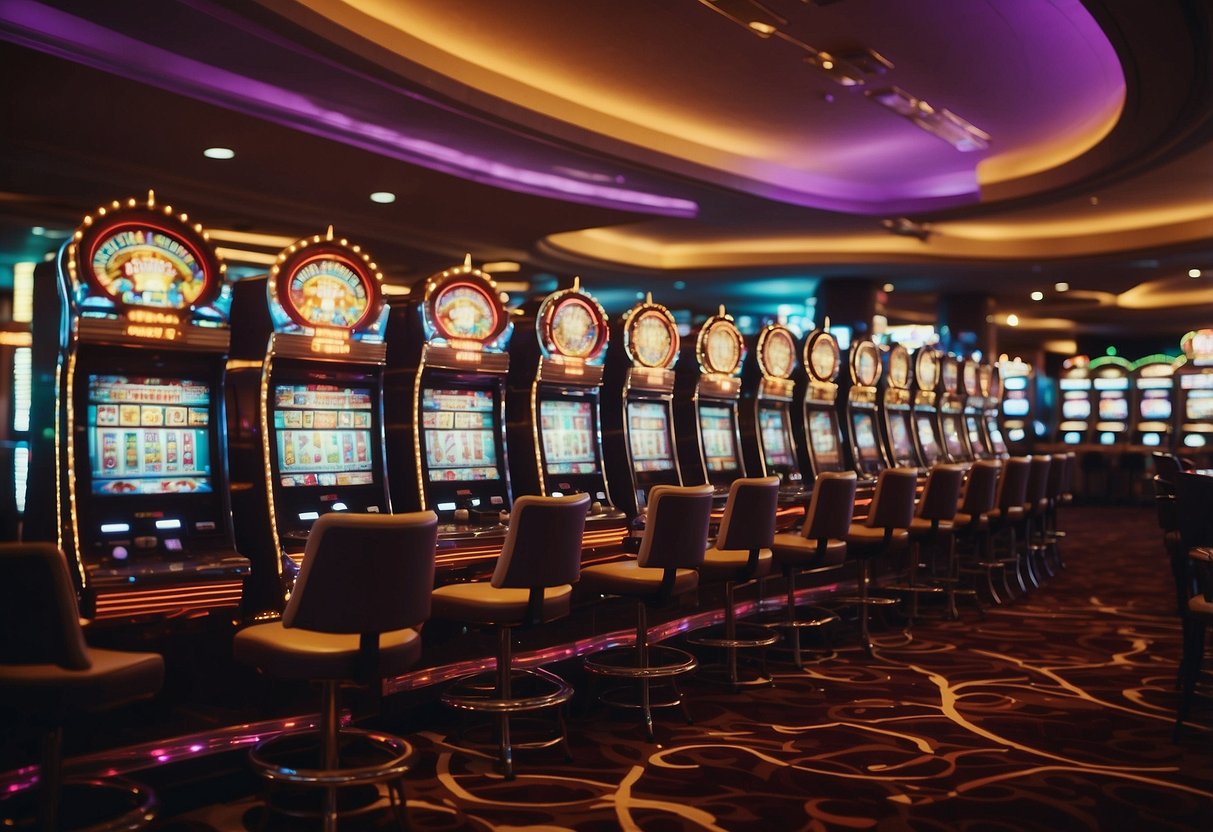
(638, 406)
(1152, 407)
(1194, 394)
(707, 387)
(1074, 385)
(974, 408)
(140, 335)
(444, 410)
(864, 366)
(1109, 400)
(553, 403)
(306, 413)
(820, 432)
(927, 440)
(896, 409)
(765, 411)
(992, 390)
(950, 403)
(1018, 401)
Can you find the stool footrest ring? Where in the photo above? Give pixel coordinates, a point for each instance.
(395, 753)
(478, 693)
(664, 661)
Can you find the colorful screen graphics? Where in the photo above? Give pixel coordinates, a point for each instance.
(865, 437)
(649, 436)
(567, 429)
(1155, 405)
(773, 425)
(823, 436)
(1113, 406)
(926, 437)
(323, 435)
(951, 436)
(719, 447)
(899, 433)
(976, 440)
(148, 435)
(328, 292)
(460, 435)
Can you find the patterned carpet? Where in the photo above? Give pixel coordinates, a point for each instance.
(1054, 712)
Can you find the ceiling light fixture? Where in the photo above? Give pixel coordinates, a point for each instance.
(906, 227)
(1038, 296)
(1193, 272)
(383, 197)
(763, 29)
(1062, 287)
(943, 124)
(219, 153)
(849, 69)
(888, 287)
(1012, 319)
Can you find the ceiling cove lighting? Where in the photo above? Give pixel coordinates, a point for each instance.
(943, 124)
(219, 153)
(383, 197)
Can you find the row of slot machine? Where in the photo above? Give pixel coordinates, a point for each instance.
(1155, 403)
(199, 427)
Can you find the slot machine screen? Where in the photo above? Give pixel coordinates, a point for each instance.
(1113, 406)
(719, 445)
(866, 446)
(460, 435)
(926, 438)
(149, 435)
(1075, 405)
(823, 436)
(322, 434)
(776, 440)
(1155, 405)
(1198, 406)
(1016, 404)
(899, 436)
(649, 437)
(976, 440)
(568, 433)
(951, 436)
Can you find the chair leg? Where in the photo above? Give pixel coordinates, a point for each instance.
(865, 640)
(730, 632)
(504, 691)
(642, 661)
(50, 778)
(790, 610)
(330, 748)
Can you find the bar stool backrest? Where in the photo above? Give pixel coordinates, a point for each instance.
(676, 527)
(752, 501)
(1193, 501)
(831, 507)
(941, 493)
(981, 488)
(1067, 483)
(1038, 480)
(38, 612)
(893, 503)
(543, 545)
(365, 574)
(1166, 465)
(1013, 484)
(1057, 476)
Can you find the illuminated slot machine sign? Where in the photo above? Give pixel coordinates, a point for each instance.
(974, 407)
(823, 434)
(926, 425)
(865, 368)
(895, 407)
(992, 390)
(1074, 385)
(712, 387)
(321, 387)
(1153, 379)
(1194, 388)
(1110, 384)
(143, 477)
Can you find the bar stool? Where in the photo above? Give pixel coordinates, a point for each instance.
(883, 532)
(820, 546)
(363, 590)
(1007, 514)
(932, 526)
(47, 675)
(1036, 505)
(971, 524)
(671, 551)
(531, 584)
(741, 553)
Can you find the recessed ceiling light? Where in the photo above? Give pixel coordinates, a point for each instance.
(219, 153)
(680, 284)
(1038, 296)
(383, 197)
(1062, 287)
(1193, 272)
(764, 29)
(888, 287)
(1012, 319)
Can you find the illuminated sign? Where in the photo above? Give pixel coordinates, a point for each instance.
(139, 265)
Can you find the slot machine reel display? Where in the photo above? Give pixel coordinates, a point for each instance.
(768, 391)
(896, 404)
(992, 390)
(1074, 401)
(1194, 394)
(1152, 407)
(1110, 399)
(950, 403)
(142, 504)
(822, 434)
(865, 368)
(925, 407)
(974, 408)
(316, 392)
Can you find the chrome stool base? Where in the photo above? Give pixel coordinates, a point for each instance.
(85, 805)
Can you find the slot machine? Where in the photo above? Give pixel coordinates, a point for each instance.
(950, 404)
(820, 431)
(1018, 397)
(896, 409)
(638, 405)
(863, 364)
(305, 400)
(993, 392)
(141, 484)
(974, 408)
(1152, 383)
(1194, 393)
(767, 393)
(1075, 400)
(1109, 376)
(553, 408)
(925, 407)
(707, 386)
(444, 410)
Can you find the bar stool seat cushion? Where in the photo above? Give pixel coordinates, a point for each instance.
(482, 603)
(921, 526)
(1012, 513)
(726, 564)
(627, 577)
(965, 521)
(115, 678)
(296, 653)
(794, 548)
(861, 535)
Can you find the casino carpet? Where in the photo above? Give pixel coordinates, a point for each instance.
(1054, 712)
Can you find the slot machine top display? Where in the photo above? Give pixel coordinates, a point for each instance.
(1197, 348)
(865, 371)
(138, 274)
(776, 361)
(465, 321)
(926, 375)
(326, 302)
(823, 360)
(573, 333)
(898, 382)
(720, 350)
(651, 343)
(970, 375)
